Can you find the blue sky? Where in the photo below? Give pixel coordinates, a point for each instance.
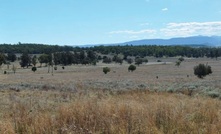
(80, 22)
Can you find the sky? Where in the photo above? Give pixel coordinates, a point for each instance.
(83, 22)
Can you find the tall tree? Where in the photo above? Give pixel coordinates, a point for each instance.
(2, 59)
(34, 60)
(25, 60)
(11, 57)
(44, 58)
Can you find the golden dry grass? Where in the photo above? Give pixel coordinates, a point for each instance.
(100, 112)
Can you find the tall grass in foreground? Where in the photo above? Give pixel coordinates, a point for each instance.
(127, 112)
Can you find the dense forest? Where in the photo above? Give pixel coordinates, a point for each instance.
(67, 55)
(127, 50)
(33, 48)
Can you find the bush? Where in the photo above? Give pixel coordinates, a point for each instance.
(213, 94)
(94, 62)
(14, 68)
(145, 60)
(117, 59)
(106, 70)
(178, 63)
(129, 61)
(209, 70)
(107, 60)
(181, 59)
(34, 69)
(55, 68)
(131, 68)
(202, 70)
(138, 61)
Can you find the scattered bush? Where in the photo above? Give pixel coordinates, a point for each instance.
(209, 70)
(138, 61)
(55, 68)
(178, 63)
(213, 94)
(63, 67)
(94, 62)
(106, 70)
(159, 61)
(34, 69)
(99, 57)
(181, 59)
(131, 68)
(107, 60)
(5, 72)
(145, 60)
(129, 61)
(117, 59)
(202, 70)
(14, 68)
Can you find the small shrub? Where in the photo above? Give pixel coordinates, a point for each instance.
(55, 68)
(107, 60)
(129, 61)
(202, 70)
(14, 69)
(178, 63)
(145, 60)
(170, 90)
(138, 61)
(94, 62)
(209, 70)
(5, 72)
(63, 67)
(117, 59)
(159, 61)
(106, 70)
(34, 69)
(213, 94)
(181, 59)
(131, 68)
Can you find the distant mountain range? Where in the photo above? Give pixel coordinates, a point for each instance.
(212, 41)
(193, 40)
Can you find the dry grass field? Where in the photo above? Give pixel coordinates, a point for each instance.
(82, 99)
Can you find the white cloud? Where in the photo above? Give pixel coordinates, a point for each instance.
(192, 28)
(165, 9)
(145, 31)
(172, 30)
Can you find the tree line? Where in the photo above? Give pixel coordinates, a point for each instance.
(126, 50)
(32, 48)
(67, 55)
(160, 51)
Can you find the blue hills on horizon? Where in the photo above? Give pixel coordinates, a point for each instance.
(209, 41)
(192, 40)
